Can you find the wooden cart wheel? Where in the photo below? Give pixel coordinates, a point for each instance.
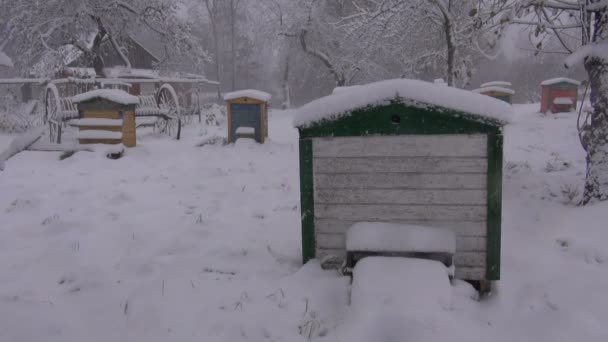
(52, 112)
(167, 100)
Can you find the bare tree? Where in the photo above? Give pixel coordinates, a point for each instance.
(581, 28)
(50, 30)
(447, 34)
(213, 10)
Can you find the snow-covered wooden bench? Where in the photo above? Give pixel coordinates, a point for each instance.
(403, 240)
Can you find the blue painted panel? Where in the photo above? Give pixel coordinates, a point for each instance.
(246, 115)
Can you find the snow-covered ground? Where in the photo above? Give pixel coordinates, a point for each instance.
(174, 242)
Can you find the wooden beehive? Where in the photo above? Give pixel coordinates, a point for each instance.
(247, 115)
(106, 117)
(396, 162)
(559, 95)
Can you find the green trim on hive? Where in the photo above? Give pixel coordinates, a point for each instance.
(374, 120)
(307, 200)
(495, 159)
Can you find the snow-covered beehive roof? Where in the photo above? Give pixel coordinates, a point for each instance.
(560, 80)
(494, 88)
(113, 95)
(251, 93)
(496, 84)
(412, 92)
(5, 60)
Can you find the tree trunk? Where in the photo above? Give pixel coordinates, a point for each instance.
(286, 92)
(216, 44)
(233, 9)
(451, 50)
(595, 133)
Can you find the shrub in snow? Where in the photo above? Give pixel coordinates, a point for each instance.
(213, 114)
(19, 118)
(570, 194)
(556, 163)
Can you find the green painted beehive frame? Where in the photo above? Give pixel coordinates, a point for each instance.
(402, 117)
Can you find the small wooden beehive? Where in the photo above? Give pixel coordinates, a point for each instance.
(404, 153)
(559, 95)
(106, 116)
(247, 115)
(498, 90)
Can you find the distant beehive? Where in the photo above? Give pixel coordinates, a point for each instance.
(559, 95)
(247, 115)
(106, 117)
(497, 89)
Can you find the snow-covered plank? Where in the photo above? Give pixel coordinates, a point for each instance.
(496, 84)
(391, 237)
(401, 181)
(22, 80)
(461, 228)
(413, 92)
(399, 164)
(251, 93)
(374, 212)
(563, 101)
(497, 89)
(245, 130)
(400, 196)
(114, 95)
(445, 145)
(97, 122)
(99, 134)
(560, 80)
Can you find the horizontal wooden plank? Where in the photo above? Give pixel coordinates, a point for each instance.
(400, 181)
(470, 273)
(470, 244)
(463, 243)
(400, 164)
(371, 212)
(450, 145)
(470, 259)
(461, 228)
(331, 241)
(399, 196)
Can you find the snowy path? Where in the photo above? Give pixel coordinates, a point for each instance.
(183, 243)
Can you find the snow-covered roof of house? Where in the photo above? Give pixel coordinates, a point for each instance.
(254, 94)
(494, 88)
(496, 84)
(560, 80)
(5, 60)
(563, 101)
(114, 95)
(413, 92)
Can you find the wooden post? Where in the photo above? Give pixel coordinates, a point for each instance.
(128, 129)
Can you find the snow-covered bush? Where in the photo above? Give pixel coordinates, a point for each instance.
(20, 118)
(213, 114)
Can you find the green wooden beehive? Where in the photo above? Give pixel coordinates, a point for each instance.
(404, 151)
